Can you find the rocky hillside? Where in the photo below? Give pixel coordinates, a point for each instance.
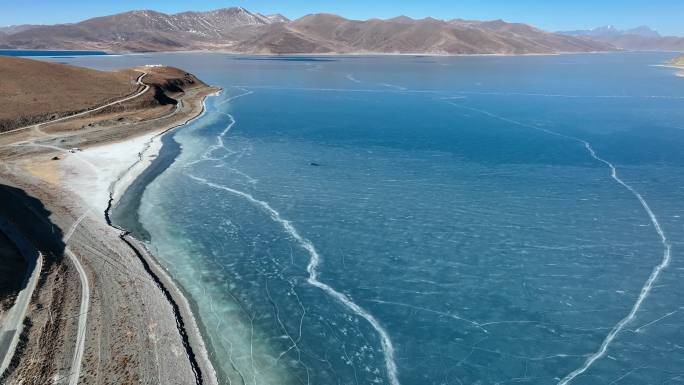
(167, 83)
(238, 30)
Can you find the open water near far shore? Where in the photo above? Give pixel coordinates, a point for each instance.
(427, 220)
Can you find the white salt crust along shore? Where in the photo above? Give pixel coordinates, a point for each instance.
(92, 173)
(103, 172)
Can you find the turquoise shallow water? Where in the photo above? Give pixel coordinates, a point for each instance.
(421, 220)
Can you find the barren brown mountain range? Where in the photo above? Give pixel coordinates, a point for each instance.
(238, 30)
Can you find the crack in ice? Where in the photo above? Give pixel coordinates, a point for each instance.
(641, 328)
(353, 79)
(655, 274)
(444, 314)
(312, 270)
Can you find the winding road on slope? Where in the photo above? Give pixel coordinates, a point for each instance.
(86, 112)
(75, 372)
(18, 318)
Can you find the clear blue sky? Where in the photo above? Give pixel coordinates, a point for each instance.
(666, 16)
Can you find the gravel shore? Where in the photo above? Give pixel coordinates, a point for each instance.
(138, 327)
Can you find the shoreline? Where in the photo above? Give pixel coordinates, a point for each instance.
(186, 322)
(351, 54)
(75, 175)
(185, 316)
(679, 74)
(367, 54)
(679, 70)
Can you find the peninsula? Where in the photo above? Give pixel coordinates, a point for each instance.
(89, 302)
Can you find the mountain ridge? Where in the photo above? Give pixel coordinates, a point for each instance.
(610, 30)
(241, 31)
(641, 38)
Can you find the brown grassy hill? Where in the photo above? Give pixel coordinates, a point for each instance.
(33, 91)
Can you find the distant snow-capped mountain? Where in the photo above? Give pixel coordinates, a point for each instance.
(611, 31)
(636, 39)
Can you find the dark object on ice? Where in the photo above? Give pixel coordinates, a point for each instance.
(314, 164)
(55, 158)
